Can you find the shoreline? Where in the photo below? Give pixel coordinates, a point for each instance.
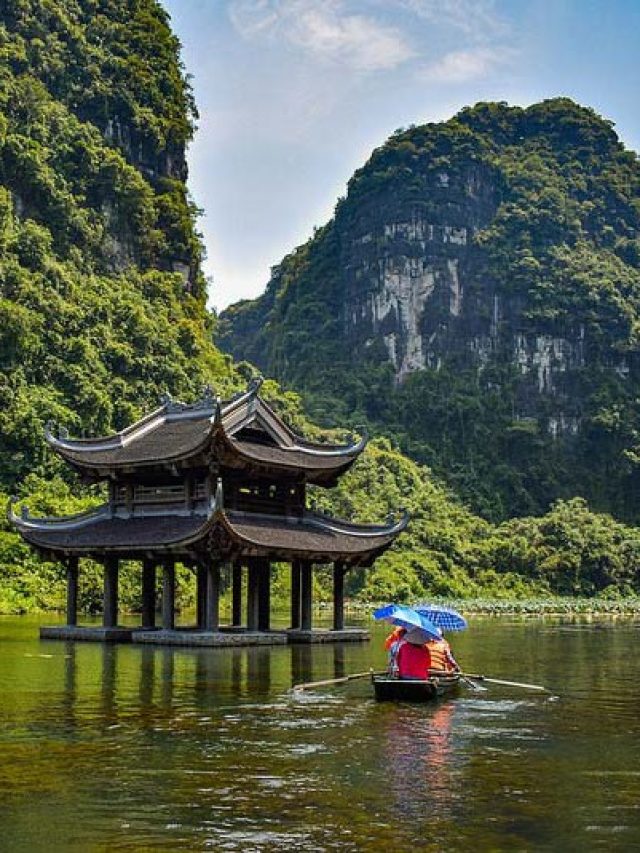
(471, 606)
(528, 607)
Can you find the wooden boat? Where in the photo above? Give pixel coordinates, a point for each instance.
(390, 689)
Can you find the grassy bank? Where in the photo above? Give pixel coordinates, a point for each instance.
(565, 606)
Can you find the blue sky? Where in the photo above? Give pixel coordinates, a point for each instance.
(294, 95)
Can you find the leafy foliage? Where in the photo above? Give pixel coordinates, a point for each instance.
(102, 308)
(94, 115)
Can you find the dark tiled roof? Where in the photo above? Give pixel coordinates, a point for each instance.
(313, 534)
(171, 439)
(105, 533)
(299, 459)
(177, 432)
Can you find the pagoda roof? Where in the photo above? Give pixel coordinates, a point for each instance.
(243, 432)
(223, 533)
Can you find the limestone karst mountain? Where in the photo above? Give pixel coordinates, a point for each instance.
(476, 297)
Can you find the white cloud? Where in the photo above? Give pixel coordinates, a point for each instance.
(477, 19)
(461, 65)
(324, 31)
(252, 17)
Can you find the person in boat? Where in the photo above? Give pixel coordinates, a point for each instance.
(412, 658)
(441, 656)
(391, 645)
(442, 659)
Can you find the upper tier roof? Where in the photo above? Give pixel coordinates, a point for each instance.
(243, 432)
(214, 532)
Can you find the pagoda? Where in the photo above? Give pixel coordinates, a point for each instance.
(208, 484)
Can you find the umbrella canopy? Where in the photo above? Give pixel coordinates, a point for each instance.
(407, 617)
(446, 618)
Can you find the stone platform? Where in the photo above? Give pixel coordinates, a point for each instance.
(211, 638)
(327, 635)
(227, 636)
(91, 633)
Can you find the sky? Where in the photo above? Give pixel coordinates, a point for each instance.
(294, 95)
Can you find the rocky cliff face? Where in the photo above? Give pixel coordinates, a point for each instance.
(411, 282)
(477, 296)
(406, 268)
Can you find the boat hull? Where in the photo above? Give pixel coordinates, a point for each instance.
(388, 689)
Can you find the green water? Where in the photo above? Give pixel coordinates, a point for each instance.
(125, 748)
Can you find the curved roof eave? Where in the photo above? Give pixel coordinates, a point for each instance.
(98, 456)
(169, 410)
(38, 532)
(281, 535)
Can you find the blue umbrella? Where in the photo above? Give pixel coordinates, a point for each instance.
(445, 618)
(407, 617)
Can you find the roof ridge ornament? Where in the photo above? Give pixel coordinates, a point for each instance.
(207, 399)
(170, 405)
(12, 516)
(50, 431)
(252, 390)
(217, 412)
(361, 443)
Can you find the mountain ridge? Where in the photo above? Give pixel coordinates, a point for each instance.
(476, 298)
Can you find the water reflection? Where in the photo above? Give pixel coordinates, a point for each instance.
(69, 693)
(339, 660)
(258, 680)
(147, 675)
(167, 748)
(301, 663)
(419, 754)
(109, 709)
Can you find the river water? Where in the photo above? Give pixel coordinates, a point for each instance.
(126, 748)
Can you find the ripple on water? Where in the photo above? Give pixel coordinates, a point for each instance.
(167, 759)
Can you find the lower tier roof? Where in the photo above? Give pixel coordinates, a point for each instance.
(221, 534)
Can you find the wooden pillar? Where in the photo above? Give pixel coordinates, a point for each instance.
(236, 594)
(168, 594)
(201, 595)
(339, 571)
(306, 595)
(212, 610)
(72, 591)
(148, 594)
(253, 589)
(110, 597)
(264, 595)
(295, 593)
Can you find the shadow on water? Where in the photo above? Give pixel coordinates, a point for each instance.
(161, 748)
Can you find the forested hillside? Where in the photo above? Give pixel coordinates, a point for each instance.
(476, 297)
(102, 308)
(102, 296)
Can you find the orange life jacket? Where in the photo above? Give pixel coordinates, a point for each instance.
(441, 657)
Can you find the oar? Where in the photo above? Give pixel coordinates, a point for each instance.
(472, 684)
(448, 673)
(327, 681)
(467, 676)
(506, 683)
